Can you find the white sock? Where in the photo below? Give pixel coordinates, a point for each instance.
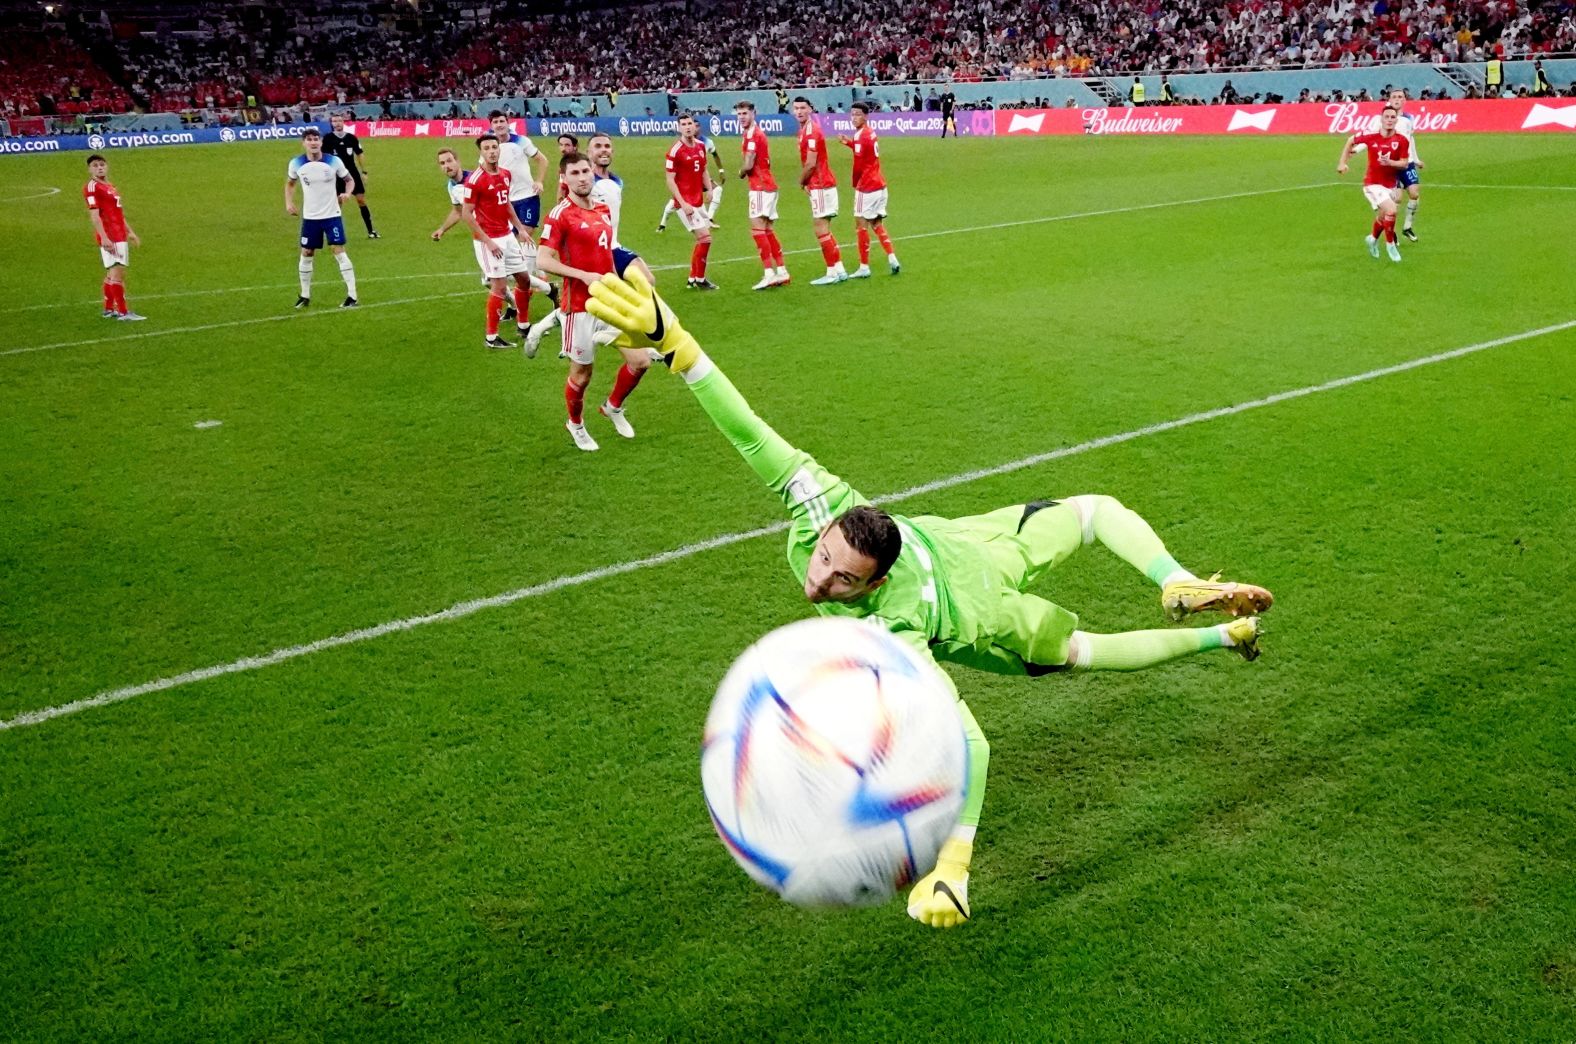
(541, 285)
(347, 272)
(782, 271)
(670, 208)
(546, 322)
(700, 368)
(1411, 212)
(1178, 575)
(716, 201)
(305, 268)
(1226, 640)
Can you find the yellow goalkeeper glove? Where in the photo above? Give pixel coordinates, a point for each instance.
(941, 898)
(631, 304)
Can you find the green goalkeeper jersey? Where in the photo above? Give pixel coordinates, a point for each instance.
(943, 593)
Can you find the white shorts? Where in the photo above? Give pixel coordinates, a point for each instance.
(763, 205)
(583, 333)
(693, 221)
(823, 203)
(115, 254)
(1378, 194)
(513, 259)
(870, 205)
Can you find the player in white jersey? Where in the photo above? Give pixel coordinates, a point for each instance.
(318, 176)
(607, 189)
(527, 169)
(716, 189)
(449, 163)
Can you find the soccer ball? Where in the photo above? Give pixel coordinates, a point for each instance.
(834, 762)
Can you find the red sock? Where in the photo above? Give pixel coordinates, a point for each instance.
(120, 298)
(494, 310)
(522, 303)
(886, 240)
(777, 248)
(109, 296)
(763, 245)
(575, 399)
(829, 249)
(1378, 228)
(623, 384)
(698, 259)
(863, 236)
(1389, 229)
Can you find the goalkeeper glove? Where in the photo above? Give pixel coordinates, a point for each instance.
(941, 898)
(631, 304)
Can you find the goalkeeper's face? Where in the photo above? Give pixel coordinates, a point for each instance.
(838, 572)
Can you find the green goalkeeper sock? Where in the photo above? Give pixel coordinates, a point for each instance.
(1135, 650)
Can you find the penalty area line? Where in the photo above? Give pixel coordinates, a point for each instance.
(463, 609)
(328, 310)
(35, 195)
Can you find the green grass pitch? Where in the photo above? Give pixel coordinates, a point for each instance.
(490, 827)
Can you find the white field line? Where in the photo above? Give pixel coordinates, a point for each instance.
(467, 608)
(35, 195)
(85, 303)
(284, 317)
(1526, 188)
(733, 260)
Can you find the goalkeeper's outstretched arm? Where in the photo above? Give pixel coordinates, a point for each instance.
(806, 488)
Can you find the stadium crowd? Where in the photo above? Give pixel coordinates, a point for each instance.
(280, 56)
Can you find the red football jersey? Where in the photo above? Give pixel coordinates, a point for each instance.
(812, 148)
(489, 195)
(1394, 147)
(687, 164)
(102, 197)
(582, 239)
(760, 177)
(867, 161)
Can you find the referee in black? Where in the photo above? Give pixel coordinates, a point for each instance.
(347, 147)
(949, 105)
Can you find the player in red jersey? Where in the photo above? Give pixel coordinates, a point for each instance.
(689, 183)
(870, 191)
(113, 235)
(1388, 154)
(756, 170)
(815, 177)
(578, 245)
(496, 229)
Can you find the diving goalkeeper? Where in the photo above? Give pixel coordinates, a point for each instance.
(952, 587)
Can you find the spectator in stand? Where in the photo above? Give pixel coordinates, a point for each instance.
(200, 58)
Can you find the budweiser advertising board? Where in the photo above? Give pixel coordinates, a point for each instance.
(1507, 114)
(1488, 115)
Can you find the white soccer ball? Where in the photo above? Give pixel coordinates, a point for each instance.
(834, 762)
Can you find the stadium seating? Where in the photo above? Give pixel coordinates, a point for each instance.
(284, 56)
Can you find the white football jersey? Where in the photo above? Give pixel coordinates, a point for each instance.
(609, 191)
(514, 155)
(318, 178)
